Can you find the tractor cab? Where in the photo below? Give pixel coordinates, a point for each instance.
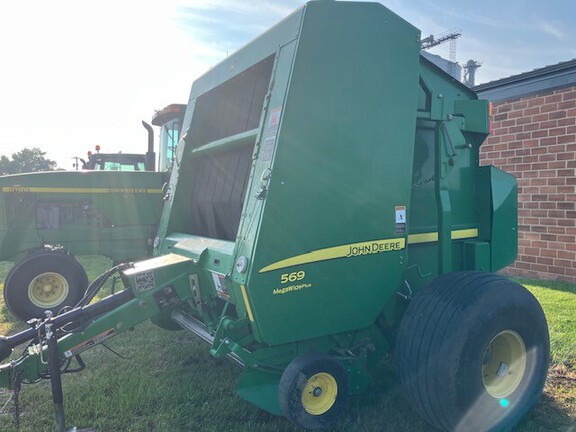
(114, 161)
(170, 121)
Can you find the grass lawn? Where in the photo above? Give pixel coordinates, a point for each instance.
(167, 381)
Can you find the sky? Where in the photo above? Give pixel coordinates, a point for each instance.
(75, 74)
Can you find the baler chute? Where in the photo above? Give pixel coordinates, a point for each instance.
(326, 205)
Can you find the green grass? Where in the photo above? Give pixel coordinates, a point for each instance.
(559, 302)
(169, 382)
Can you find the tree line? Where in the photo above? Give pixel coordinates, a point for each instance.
(26, 160)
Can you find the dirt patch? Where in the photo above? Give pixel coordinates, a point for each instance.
(561, 386)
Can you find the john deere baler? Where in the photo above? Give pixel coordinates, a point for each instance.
(327, 207)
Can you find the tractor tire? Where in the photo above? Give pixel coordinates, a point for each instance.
(313, 390)
(472, 352)
(44, 280)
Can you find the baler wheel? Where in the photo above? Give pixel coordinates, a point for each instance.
(44, 280)
(472, 352)
(313, 390)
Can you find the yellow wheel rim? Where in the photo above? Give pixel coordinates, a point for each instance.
(504, 364)
(319, 393)
(48, 290)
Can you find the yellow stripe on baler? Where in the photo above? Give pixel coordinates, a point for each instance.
(246, 303)
(364, 248)
(433, 236)
(26, 189)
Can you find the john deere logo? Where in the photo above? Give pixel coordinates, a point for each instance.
(375, 247)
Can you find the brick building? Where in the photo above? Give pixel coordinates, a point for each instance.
(534, 138)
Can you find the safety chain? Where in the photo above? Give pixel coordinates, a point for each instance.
(16, 386)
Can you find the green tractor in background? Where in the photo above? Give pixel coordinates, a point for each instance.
(111, 208)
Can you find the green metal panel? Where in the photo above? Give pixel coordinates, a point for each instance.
(476, 114)
(504, 237)
(497, 193)
(331, 180)
(477, 256)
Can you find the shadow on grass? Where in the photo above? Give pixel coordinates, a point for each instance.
(549, 415)
(557, 408)
(9, 324)
(552, 285)
(385, 409)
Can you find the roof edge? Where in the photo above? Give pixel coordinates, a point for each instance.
(547, 78)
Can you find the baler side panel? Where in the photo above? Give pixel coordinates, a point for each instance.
(260, 177)
(334, 186)
(213, 190)
(176, 214)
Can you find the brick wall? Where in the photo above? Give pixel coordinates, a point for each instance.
(534, 139)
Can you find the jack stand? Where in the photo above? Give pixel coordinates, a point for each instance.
(55, 377)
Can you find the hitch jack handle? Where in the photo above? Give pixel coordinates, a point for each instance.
(55, 377)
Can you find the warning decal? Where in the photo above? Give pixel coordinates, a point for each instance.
(400, 219)
(90, 343)
(145, 281)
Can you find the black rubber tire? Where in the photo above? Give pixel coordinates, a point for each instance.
(25, 271)
(293, 383)
(443, 342)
